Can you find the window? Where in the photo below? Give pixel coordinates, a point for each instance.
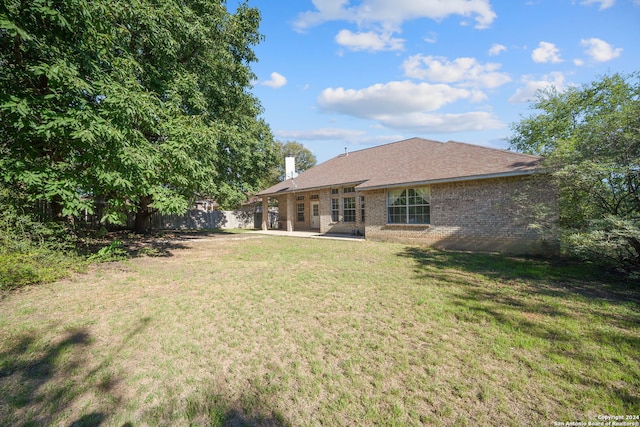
(299, 197)
(349, 190)
(335, 210)
(349, 209)
(300, 211)
(408, 206)
(362, 208)
(334, 191)
(314, 197)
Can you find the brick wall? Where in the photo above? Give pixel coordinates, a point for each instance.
(327, 225)
(483, 215)
(305, 200)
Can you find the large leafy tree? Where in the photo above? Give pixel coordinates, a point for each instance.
(120, 106)
(305, 159)
(590, 136)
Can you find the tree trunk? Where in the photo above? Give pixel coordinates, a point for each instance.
(143, 215)
(635, 244)
(56, 208)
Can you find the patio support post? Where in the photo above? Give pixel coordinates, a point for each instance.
(265, 213)
(290, 212)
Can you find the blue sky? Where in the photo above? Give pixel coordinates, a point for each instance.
(336, 74)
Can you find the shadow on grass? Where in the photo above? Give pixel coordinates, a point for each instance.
(211, 408)
(154, 248)
(36, 383)
(568, 318)
(59, 383)
(40, 382)
(547, 276)
(158, 244)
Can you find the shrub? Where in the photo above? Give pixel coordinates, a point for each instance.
(38, 265)
(32, 251)
(608, 240)
(112, 252)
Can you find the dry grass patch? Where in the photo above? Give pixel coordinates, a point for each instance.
(250, 330)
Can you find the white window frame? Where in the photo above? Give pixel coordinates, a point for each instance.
(409, 206)
(349, 213)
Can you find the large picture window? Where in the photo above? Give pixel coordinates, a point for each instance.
(409, 206)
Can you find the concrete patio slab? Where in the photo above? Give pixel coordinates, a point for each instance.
(307, 235)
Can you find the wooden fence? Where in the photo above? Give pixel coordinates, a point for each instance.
(196, 219)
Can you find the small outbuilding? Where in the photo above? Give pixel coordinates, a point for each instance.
(446, 194)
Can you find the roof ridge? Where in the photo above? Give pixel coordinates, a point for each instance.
(502, 150)
(388, 144)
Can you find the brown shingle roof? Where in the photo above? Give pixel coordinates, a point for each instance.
(410, 162)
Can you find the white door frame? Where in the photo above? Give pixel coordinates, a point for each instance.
(315, 219)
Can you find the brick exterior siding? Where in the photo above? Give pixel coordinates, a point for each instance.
(483, 215)
(480, 215)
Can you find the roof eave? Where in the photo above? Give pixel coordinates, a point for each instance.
(454, 179)
(307, 189)
(359, 184)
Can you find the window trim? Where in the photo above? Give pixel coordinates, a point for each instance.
(349, 214)
(405, 209)
(335, 210)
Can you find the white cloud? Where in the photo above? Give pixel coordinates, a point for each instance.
(433, 37)
(277, 80)
(392, 13)
(546, 52)
(327, 10)
(599, 50)
(443, 123)
(604, 4)
(466, 71)
(351, 137)
(532, 86)
(369, 41)
(407, 105)
(497, 49)
(320, 134)
(394, 98)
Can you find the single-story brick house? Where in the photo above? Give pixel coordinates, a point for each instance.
(450, 195)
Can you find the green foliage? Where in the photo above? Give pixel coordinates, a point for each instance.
(607, 239)
(591, 141)
(37, 265)
(305, 159)
(112, 252)
(20, 230)
(118, 106)
(32, 251)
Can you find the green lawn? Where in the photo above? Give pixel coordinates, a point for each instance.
(253, 330)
